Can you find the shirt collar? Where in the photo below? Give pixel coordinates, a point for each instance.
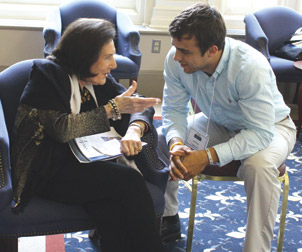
(223, 60)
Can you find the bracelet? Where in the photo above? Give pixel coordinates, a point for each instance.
(209, 156)
(138, 125)
(117, 114)
(178, 143)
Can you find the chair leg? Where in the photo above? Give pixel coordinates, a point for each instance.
(131, 80)
(159, 223)
(9, 245)
(192, 214)
(295, 100)
(299, 109)
(283, 212)
(93, 234)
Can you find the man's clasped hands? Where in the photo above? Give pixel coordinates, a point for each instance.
(186, 163)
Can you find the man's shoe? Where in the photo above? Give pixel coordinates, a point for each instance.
(170, 229)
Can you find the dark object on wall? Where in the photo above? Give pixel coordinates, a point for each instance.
(290, 52)
(292, 48)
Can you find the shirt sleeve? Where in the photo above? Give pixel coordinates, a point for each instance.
(64, 127)
(48, 94)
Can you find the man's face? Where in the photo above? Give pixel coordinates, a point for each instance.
(189, 56)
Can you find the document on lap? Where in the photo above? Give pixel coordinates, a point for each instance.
(98, 147)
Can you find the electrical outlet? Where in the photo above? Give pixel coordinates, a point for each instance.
(156, 46)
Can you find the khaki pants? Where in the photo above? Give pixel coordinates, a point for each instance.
(259, 172)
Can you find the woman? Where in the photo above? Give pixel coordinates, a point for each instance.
(72, 94)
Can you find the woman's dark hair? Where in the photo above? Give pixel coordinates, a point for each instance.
(203, 22)
(81, 44)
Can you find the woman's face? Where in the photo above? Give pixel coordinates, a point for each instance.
(103, 65)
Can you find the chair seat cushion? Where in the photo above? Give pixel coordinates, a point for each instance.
(43, 216)
(231, 169)
(284, 70)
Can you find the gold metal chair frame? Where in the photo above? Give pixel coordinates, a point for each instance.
(193, 189)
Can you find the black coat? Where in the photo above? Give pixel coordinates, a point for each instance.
(44, 124)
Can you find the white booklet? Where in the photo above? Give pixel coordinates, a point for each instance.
(98, 147)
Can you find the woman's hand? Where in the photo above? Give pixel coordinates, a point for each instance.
(131, 143)
(128, 104)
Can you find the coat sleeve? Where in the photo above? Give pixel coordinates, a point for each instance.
(112, 89)
(48, 92)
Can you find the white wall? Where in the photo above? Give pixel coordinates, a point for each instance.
(153, 61)
(20, 44)
(151, 79)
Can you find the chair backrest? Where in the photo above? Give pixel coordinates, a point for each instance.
(127, 56)
(12, 83)
(278, 24)
(72, 10)
(5, 175)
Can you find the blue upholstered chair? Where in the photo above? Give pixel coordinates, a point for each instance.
(128, 55)
(41, 216)
(266, 30)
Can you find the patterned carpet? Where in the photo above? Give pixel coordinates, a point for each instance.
(221, 216)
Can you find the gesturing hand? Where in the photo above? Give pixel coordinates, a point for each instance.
(131, 104)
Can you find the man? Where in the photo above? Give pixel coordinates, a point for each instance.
(243, 117)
